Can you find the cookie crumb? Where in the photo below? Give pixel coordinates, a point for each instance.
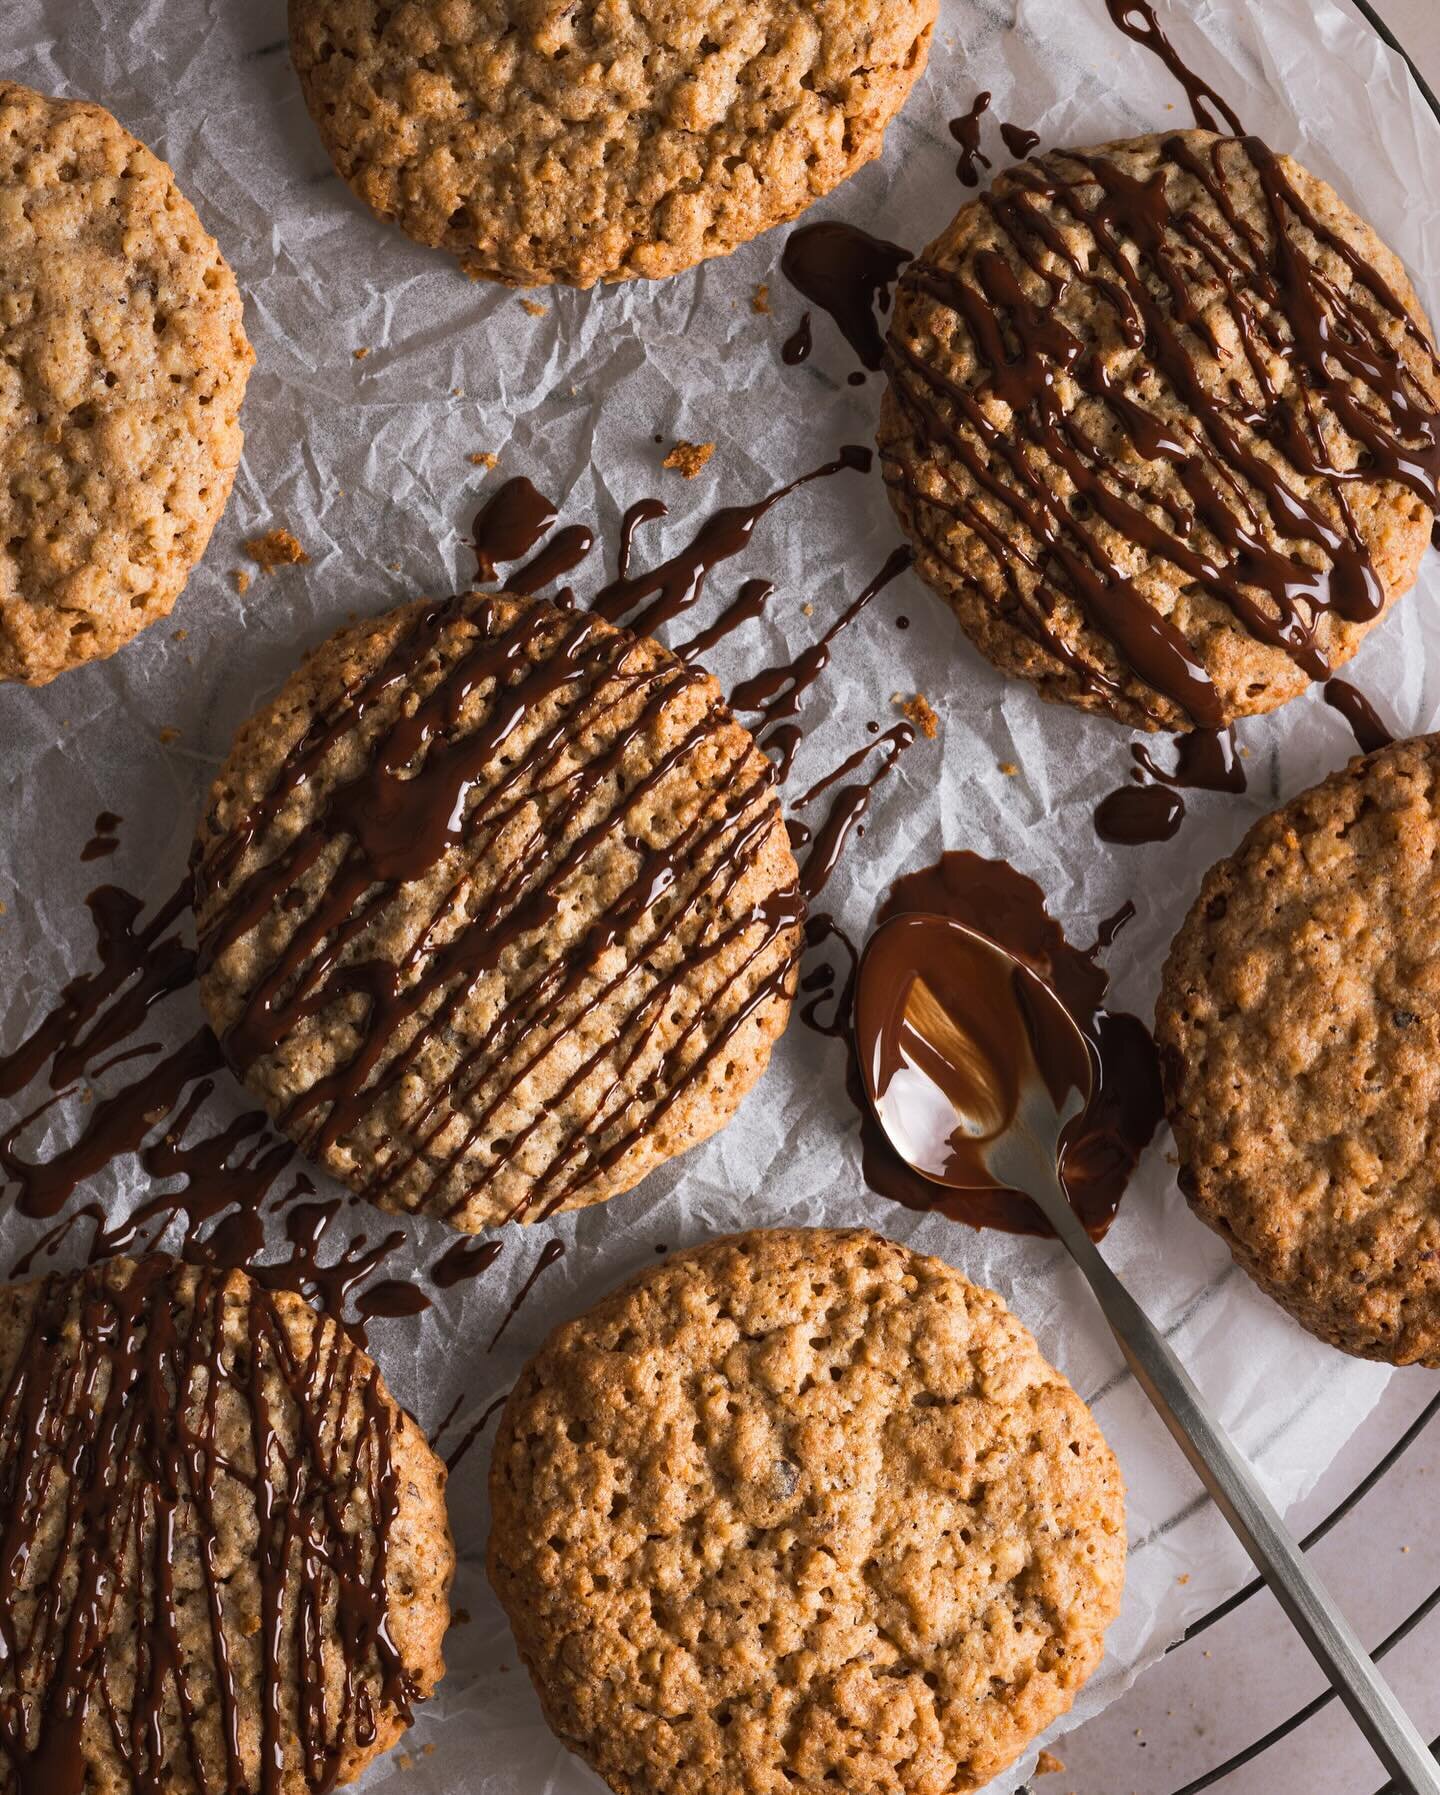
(179, 635)
(168, 735)
(760, 299)
(277, 548)
(688, 458)
(807, 609)
(242, 581)
(484, 458)
(460, 1618)
(1183, 1579)
(404, 1760)
(1008, 768)
(359, 354)
(920, 713)
(1047, 1764)
(535, 308)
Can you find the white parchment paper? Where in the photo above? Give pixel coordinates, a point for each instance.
(367, 461)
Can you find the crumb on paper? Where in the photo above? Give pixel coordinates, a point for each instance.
(404, 1760)
(807, 609)
(394, 566)
(277, 548)
(920, 712)
(688, 458)
(1047, 1764)
(536, 308)
(457, 392)
(1183, 1578)
(4, 909)
(359, 354)
(1008, 768)
(760, 299)
(168, 735)
(428, 1749)
(460, 1618)
(484, 458)
(242, 581)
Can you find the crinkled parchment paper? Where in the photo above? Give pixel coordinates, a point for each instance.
(367, 460)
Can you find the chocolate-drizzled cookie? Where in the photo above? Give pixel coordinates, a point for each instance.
(224, 1558)
(496, 908)
(1162, 425)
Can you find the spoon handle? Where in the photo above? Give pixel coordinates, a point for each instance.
(1239, 1497)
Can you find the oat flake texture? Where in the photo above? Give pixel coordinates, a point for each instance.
(802, 1511)
(541, 140)
(123, 362)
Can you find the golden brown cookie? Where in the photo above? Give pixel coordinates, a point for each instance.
(224, 1557)
(1160, 424)
(496, 908)
(802, 1511)
(1299, 1030)
(580, 143)
(123, 362)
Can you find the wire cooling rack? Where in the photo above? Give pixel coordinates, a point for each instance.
(1421, 1430)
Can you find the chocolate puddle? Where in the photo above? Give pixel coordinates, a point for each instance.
(848, 274)
(1103, 1150)
(1153, 810)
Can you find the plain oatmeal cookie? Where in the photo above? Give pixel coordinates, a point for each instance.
(799, 1512)
(550, 141)
(226, 1555)
(123, 363)
(497, 909)
(1157, 424)
(1299, 1031)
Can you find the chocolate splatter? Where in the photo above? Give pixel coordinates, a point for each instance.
(848, 274)
(966, 131)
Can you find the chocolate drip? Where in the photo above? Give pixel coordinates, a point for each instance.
(1136, 814)
(1160, 292)
(847, 273)
(1018, 140)
(797, 346)
(465, 1260)
(561, 555)
(509, 524)
(475, 1432)
(747, 604)
(111, 1418)
(1364, 720)
(848, 806)
(1136, 18)
(104, 841)
(550, 1254)
(966, 131)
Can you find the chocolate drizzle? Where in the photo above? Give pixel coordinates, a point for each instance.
(847, 273)
(1369, 731)
(966, 131)
(1163, 269)
(510, 523)
(1136, 18)
(1139, 813)
(117, 1422)
(104, 841)
(1019, 140)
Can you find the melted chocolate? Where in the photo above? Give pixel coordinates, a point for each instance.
(966, 131)
(1136, 18)
(1018, 140)
(1340, 355)
(104, 841)
(509, 524)
(475, 1432)
(952, 1039)
(847, 808)
(116, 1398)
(465, 1260)
(1125, 1108)
(551, 1253)
(797, 346)
(1139, 813)
(1364, 720)
(847, 273)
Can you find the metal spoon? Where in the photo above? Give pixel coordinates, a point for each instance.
(978, 1073)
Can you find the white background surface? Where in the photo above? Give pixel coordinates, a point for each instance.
(1211, 1698)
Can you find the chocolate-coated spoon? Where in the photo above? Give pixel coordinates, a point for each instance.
(977, 1073)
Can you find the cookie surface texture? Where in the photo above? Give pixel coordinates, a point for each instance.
(123, 363)
(540, 141)
(1299, 1030)
(799, 1511)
